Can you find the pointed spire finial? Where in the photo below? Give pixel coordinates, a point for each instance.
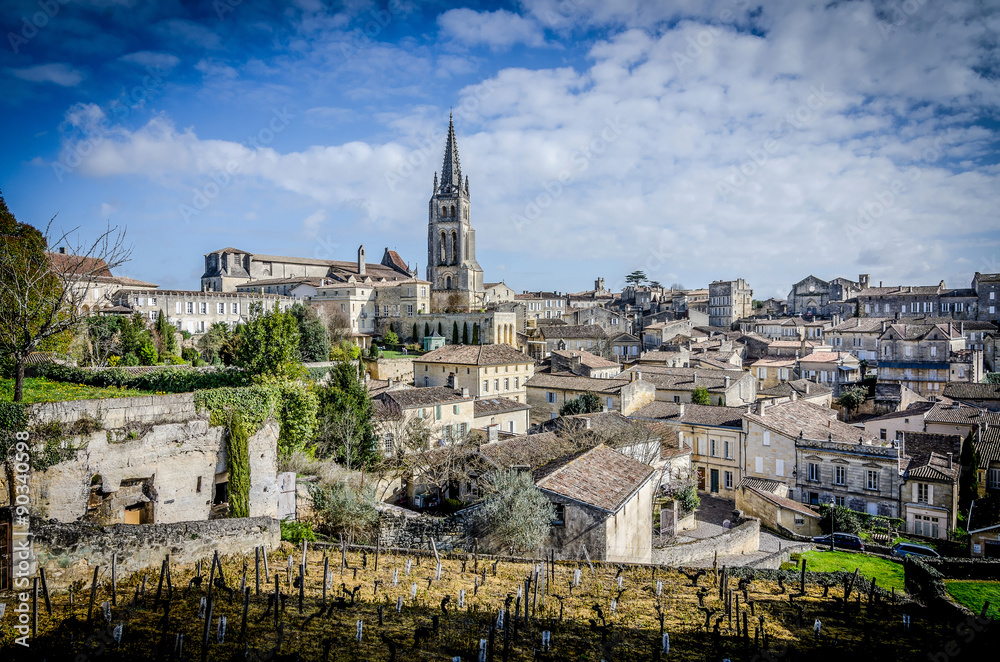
(451, 170)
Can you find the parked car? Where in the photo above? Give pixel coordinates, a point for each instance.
(842, 540)
(904, 549)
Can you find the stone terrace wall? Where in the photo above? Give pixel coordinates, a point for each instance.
(117, 412)
(398, 369)
(69, 551)
(406, 529)
(742, 539)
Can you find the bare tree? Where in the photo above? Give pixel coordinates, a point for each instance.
(42, 294)
(337, 323)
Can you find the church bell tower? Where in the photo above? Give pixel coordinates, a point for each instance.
(456, 278)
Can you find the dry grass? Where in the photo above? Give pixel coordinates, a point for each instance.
(633, 633)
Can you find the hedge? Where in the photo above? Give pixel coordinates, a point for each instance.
(166, 380)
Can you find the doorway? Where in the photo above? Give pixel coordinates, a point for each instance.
(701, 479)
(715, 481)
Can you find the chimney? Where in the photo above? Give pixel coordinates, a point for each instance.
(694, 377)
(361, 260)
(680, 410)
(492, 433)
(465, 391)
(726, 380)
(807, 387)
(795, 395)
(761, 406)
(62, 250)
(829, 423)
(950, 461)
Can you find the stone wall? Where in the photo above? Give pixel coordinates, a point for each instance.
(70, 551)
(398, 370)
(406, 529)
(742, 539)
(119, 412)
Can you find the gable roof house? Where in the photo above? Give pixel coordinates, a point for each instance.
(603, 502)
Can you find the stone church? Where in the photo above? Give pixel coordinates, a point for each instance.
(456, 278)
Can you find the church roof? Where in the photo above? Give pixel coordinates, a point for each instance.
(451, 169)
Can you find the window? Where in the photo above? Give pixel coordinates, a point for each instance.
(610, 403)
(993, 479)
(517, 381)
(729, 480)
(712, 449)
(437, 412)
(933, 350)
(486, 387)
(506, 384)
(550, 397)
(872, 482)
(908, 351)
(767, 437)
(496, 384)
(420, 413)
(728, 449)
(203, 308)
(177, 307)
(409, 310)
(189, 308)
(779, 467)
(922, 492)
(759, 464)
(454, 409)
(559, 517)
(388, 443)
(234, 308)
(840, 475)
(882, 433)
(813, 471)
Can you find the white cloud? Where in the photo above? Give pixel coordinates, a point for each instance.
(57, 73)
(162, 62)
(311, 224)
(499, 29)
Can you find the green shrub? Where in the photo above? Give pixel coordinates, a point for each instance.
(450, 506)
(689, 499)
(339, 508)
(295, 532)
(167, 380)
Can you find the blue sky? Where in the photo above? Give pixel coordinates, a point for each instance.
(693, 140)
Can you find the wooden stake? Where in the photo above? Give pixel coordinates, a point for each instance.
(34, 607)
(437, 559)
(114, 579)
(93, 595)
(326, 575)
(277, 599)
(267, 567)
(802, 578)
(378, 548)
(45, 590)
(475, 556)
(163, 574)
(207, 630)
(256, 569)
(211, 576)
(302, 585)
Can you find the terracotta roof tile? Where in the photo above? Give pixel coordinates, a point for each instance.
(475, 355)
(601, 478)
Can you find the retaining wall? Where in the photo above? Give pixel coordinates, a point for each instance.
(742, 539)
(117, 412)
(70, 551)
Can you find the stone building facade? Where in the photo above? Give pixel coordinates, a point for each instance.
(861, 476)
(925, 357)
(487, 371)
(196, 311)
(728, 301)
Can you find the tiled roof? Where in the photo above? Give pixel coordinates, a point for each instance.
(491, 406)
(811, 420)
(829, 357)
(686, 379)
(396, 261)
(962, 415)
(899, 290)
(312, 280)
(773, 361)
(785, 502)
(985, 513)
(918, 331)
(574, 331)
(761, 484)
(68, 263)
(987, 278)
(963, 391)
(915, 409)
(531, 451)
(862, 325)
(601, 478)
(424, 397)
(475, 355)
(988, 445)
(928, 454)
(693, 414)
(791, 344)
(576, 383)
(803, 387)
(586, 358)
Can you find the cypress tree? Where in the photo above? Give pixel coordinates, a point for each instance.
(414, 332)
(440, 332)
(465, 333)
(427, 329)
(454, 333)
(475, 334)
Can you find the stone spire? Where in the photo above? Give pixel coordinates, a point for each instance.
(451, 170)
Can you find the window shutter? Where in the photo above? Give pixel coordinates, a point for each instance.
(915, 493)
(779, 467)
(759, 464)
(930, 494)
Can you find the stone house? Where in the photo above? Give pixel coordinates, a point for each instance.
(924, 357)
(492, 327)
(984, 396)
(449, 414)
(772, 433)
(773, 370)
(728, 301)
(92, 284)
(859, 336)
(833, 369)
(603, 502)
(804, 389)
(863, 475)
(987, 445)
(497, 293)
(547, 393)
(624, 347)
(372, 305)
(542, 305)
(584, 364)
(195, 311)
(589, 337)
(984, 527)
(725, 387)
(612, 322)
(503, 414)
(890, 426)
(767, 501)
(987, 291)
(715, 436)
(929, 494)
(487, 371)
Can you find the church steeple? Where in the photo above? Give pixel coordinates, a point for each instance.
(451, 170)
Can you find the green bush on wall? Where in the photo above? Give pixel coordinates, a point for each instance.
(238, 465)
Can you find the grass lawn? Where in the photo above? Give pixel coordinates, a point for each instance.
(39, 389)
(973, 594)
(889, 574)
(390, 354)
